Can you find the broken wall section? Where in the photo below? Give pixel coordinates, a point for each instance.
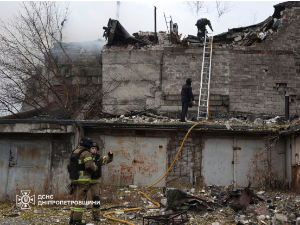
(287, 35)
(246, 81)
(132, 80)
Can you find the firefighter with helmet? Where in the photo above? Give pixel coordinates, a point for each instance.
(201, 25)
(80, 168)
(95, 179)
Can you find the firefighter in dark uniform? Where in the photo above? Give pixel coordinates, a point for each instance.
(201, 25)
(186, 97)
(95, 179)
(81, 167)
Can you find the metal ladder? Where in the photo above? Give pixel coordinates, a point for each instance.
(203, 106)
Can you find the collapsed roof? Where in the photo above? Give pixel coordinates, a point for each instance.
(115, 33)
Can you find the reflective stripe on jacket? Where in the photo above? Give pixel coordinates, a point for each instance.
(104, 160)
(85, 161)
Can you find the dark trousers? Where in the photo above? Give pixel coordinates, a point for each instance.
(185, 106)
(95, 191)
(201, 33)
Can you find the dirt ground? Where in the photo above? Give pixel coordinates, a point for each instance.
(272, 204)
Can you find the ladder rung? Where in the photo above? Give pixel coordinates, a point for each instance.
(205, 78)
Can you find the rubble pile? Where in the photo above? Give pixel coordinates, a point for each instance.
(115, 33)
(249, 36)
(157, 119)
(191, 205)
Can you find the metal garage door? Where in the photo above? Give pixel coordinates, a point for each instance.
(137, 160)
(25, 166)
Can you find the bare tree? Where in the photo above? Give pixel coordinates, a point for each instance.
(29, 68)
(223, 8)
(254, 17)
(201, 7)
(197, 7)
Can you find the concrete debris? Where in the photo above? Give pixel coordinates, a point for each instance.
(258, 121)
(213, 207)
(132, 216)
(138, 118)
(250, 35)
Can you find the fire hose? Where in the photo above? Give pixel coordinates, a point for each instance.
(141, 191)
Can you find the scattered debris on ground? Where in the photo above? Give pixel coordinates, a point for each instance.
(192, 205)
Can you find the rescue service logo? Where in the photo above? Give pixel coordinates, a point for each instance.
(25, 199)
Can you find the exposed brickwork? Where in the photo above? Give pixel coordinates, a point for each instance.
(86, 59)
(251, 80)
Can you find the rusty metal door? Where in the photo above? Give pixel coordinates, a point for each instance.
(296, 179)
(229, 159)
(28, 167)
(4, 163)
(150, 161)
(245, 149)
(137, 160)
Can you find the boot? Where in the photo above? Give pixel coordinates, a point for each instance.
(78, 222)
(71, 221)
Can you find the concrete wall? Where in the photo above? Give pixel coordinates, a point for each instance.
(245, 81)
(141, 156)
(132, 80)
(204, 159)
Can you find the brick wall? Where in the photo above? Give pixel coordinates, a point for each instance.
(86, 59)
(244, 80)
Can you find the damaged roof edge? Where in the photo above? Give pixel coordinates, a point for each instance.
(281, 6)
(174, 126)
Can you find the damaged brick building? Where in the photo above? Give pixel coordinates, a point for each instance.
(249, 80)
(246, 81)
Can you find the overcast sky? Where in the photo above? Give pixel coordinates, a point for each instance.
(88, 18)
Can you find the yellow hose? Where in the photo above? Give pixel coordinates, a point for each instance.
(105, 215)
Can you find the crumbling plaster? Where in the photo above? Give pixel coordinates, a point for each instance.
(36, 128)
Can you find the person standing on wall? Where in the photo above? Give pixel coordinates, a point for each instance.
(80, 168)
(201, 25)
(95, 179)
(186, 97)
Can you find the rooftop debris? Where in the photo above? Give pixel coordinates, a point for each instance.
(145, 117)
(115, 33)
(250, 35)
(241, 36)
